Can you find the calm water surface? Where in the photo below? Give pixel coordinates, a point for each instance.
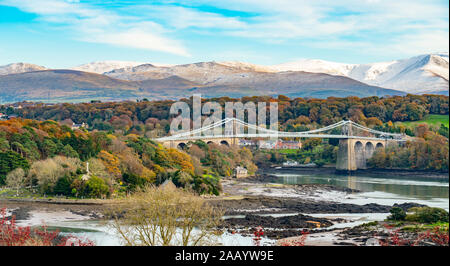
(386, 189)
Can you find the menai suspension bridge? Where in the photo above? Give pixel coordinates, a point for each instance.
(356, 142)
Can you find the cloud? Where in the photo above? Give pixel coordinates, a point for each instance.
(141, 39)
(404, 26)
(94, 24)
(182, 17)
(401, 27)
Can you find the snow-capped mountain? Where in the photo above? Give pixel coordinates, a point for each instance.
(201, 73)
(101, 67)
(115, 80)
(316, 66)
(419, 74)
(16, 68)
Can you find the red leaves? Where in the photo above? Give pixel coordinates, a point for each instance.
(298, 242)
(436, 236)
(259, 231)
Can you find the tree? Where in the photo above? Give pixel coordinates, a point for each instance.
(63, 186)
(9, 161)
(373, 121)
(16, 179)
(443, 130)
(47, 172)
(420, 130)
(68, 151)
(165, 215)
(310, 143)
(49, 148)
(397, 214)
(96, 187)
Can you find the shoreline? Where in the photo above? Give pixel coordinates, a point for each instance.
(248, 203)
(371, 172)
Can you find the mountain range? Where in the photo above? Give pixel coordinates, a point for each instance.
(119, 80)
(420, 74)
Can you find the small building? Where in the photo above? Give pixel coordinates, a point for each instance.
(290, 163)
(3, 116)
(247, 143)
(78, 126)
(266, 144)
(240, 172)
(281, 144)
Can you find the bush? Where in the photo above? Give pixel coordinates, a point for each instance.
(397, 214)
(96, 187)
(133, 181)
(427, 215)
(207, 184)
(63, 186)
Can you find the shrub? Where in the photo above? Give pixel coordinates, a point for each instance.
(63, 186)
(134, 180)
(427, 215)
(397, 214)
(207, 184)
(96, 187)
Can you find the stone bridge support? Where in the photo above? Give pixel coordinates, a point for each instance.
(353, 152)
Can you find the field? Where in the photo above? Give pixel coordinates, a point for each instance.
(433, 120)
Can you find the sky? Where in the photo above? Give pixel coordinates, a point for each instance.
(67, 33)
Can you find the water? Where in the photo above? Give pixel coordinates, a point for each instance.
(385, 190)
(103, 235)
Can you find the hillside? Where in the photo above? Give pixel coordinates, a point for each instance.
(63, 85)
(71, 85)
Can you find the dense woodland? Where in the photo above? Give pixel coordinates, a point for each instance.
(151, 118)
(40, 150)
(53, 157)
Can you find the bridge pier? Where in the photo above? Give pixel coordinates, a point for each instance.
(353, 153)
(346, 160)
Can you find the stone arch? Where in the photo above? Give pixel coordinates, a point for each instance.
(181, 145)
(369, 149)
(359, 146)
(379, 145)
(359, 155)
(210, 142)
(224, 142)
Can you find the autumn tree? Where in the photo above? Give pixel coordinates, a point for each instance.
(165, 216)
(16, 179)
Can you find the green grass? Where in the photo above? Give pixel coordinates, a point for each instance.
(434, 120)
(288, 151)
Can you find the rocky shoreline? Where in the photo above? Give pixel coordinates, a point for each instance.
(253, 200)
(25, 212)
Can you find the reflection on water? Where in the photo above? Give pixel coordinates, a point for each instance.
(418, 188)
(387, 189)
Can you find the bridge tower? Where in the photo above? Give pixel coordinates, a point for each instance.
(354, 151)
(346, 160)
